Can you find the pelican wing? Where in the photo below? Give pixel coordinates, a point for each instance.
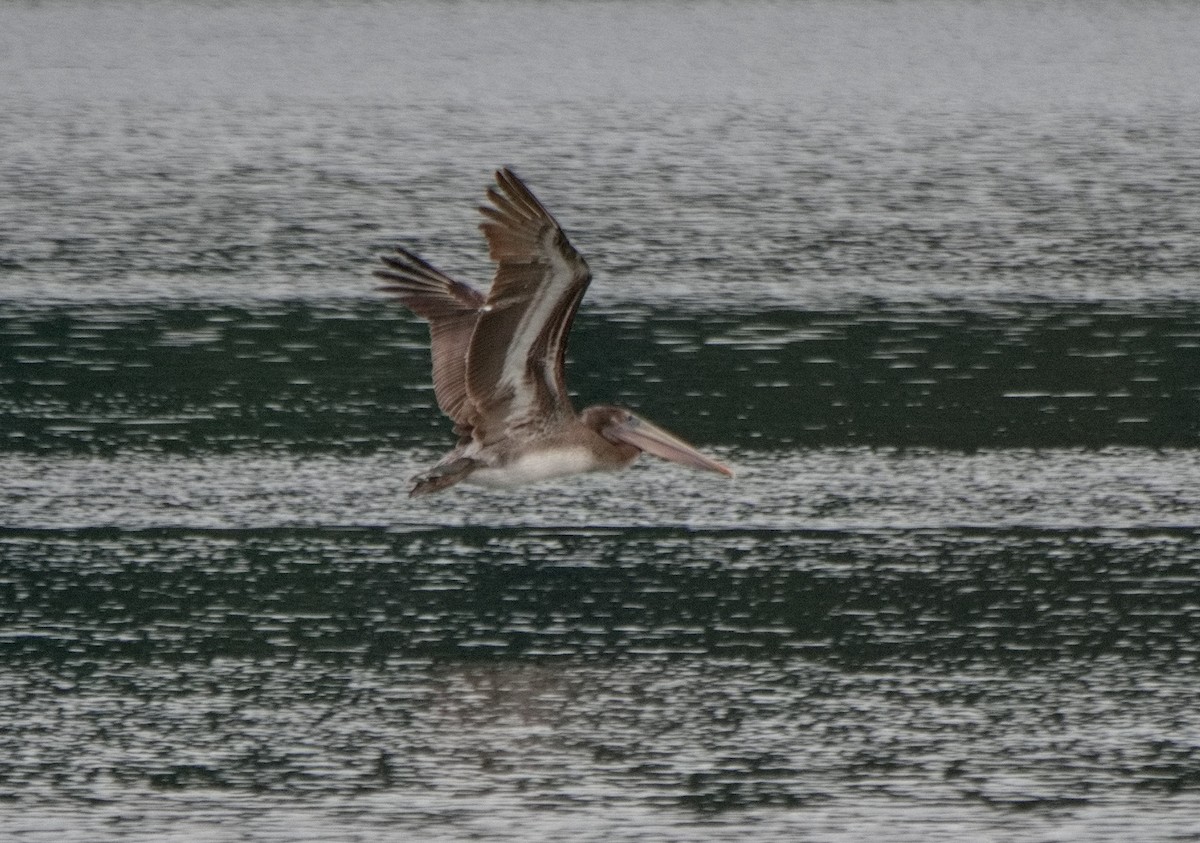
(452, 310)
(515, 361)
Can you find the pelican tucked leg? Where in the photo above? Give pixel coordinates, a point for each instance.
(442, 476)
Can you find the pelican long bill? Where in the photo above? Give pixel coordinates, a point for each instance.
(649, 437)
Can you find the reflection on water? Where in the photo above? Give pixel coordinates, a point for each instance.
(465, 678)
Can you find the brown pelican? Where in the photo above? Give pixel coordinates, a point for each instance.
(498, 360)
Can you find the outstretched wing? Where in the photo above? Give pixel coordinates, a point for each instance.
(452, 309)
(515, 360)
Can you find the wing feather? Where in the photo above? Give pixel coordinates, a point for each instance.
(452, 310)
(514, 369)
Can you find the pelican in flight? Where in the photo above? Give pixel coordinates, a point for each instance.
(498, 359)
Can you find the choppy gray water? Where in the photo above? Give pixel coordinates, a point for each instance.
(924, 272)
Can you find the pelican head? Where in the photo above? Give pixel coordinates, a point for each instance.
(632, 434)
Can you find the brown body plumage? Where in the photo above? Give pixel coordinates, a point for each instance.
(498, 360)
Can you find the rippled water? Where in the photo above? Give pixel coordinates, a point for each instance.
(925, 273)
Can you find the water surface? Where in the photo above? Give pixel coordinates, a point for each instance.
(924, 273)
